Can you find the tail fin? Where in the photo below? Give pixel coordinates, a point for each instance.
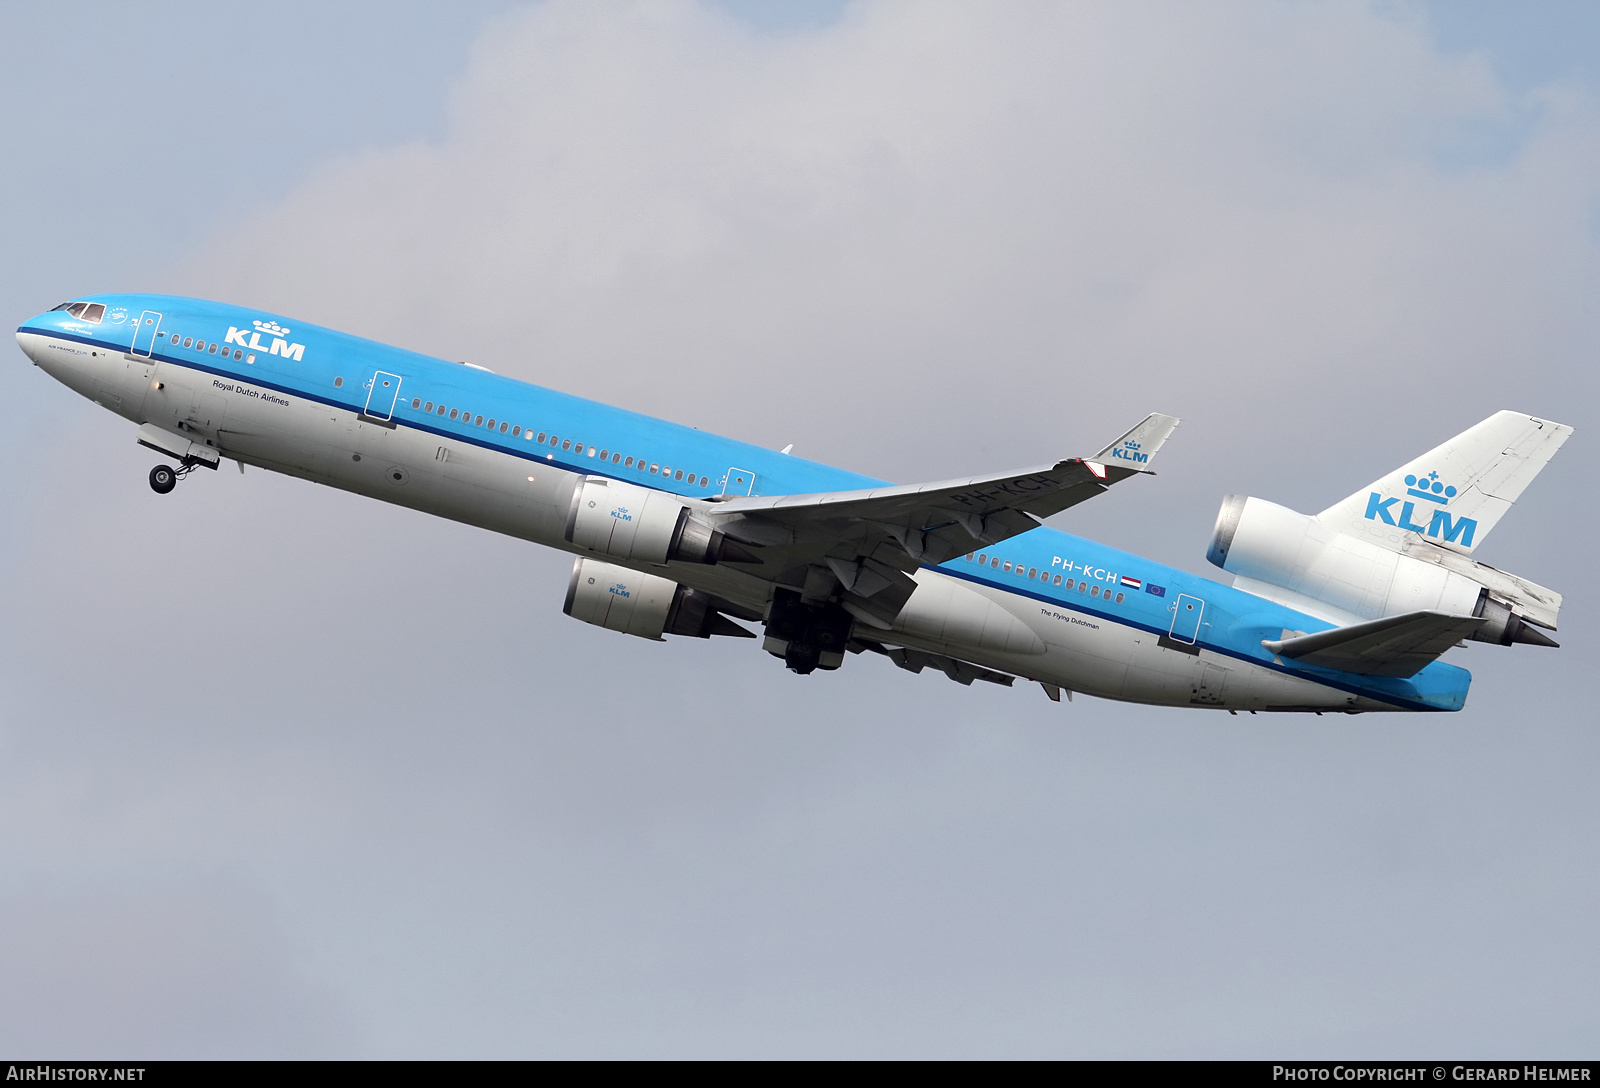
(1454, 494)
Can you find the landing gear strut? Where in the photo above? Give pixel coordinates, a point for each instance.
(163, 478)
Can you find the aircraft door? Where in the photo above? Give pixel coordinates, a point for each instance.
(382, 392)
(739, 482)
(1186, 613)
(144, 334)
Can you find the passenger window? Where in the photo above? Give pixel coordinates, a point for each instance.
(1008, 566)
(213, 347)
(426, 407)
(969, 557)
(1119, 598)
(199, 345)
(654, 469)
(540, 439)
(678, 475)
(665, 471)
(1095, 592)
(503, 426)
(454, 413)
(1033, 572)
(983, 560)
(704, 480)
(441, 409)
(605, 455)
(591, 452)
(1058, 579)
(187, 342)
(567, 445)
(516, 432)
(1083, 587)
(491, 422)
(237, 354)
(416, 402)
(478, 422)
(994, 562)
(628, 463)
(337, 382)
(251, 358)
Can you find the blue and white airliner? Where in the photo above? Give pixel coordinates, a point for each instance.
(678, 532)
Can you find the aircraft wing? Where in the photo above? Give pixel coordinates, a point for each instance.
(871, 539)
(1391, 646)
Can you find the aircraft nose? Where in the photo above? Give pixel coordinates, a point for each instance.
(22, 342)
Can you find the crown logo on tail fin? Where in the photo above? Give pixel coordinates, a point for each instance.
(1430, 487)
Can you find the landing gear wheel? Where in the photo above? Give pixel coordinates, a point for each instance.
(801, 657)
(163, 479)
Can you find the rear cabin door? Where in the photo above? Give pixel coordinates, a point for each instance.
(381, 395)
(144, 334)
(1186, 615)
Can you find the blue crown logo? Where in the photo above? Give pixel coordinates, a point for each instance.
(1130, 444)
(1430, 487)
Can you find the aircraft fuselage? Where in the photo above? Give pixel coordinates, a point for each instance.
(460, 442)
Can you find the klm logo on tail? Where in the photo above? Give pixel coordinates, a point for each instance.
(1441, 526)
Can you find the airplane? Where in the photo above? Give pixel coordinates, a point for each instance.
(679, 532)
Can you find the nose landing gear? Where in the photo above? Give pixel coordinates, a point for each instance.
(163, 478)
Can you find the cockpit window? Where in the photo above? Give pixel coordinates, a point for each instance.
(92, 312)
(63, 306)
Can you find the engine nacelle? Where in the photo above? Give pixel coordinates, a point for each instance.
(638, 523)
(646, 605)
(1263, 541)
(1273, 544)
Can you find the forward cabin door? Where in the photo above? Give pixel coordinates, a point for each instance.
(382, 392)
(144, 334)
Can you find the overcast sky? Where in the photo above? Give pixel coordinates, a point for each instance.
(287, 772)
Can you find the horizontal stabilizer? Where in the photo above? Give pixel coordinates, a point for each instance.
(1392, 646)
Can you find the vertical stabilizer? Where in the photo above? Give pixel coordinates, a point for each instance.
(1456, 493)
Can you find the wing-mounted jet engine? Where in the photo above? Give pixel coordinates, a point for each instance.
(1403, 545)
(646, 605)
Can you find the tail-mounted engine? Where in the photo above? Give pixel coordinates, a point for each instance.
(626, 521)
(625, 600)
(1265, 543)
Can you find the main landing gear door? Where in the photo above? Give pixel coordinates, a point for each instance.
(381, 395)
(144, 334)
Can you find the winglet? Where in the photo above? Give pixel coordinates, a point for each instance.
(1135, 449)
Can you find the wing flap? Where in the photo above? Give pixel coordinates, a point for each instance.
(1397, 646)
